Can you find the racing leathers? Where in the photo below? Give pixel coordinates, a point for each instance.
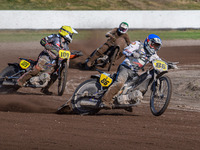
(136, 58)
(112, 35)
(46, 59)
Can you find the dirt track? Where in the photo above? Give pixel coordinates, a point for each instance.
(28, 119)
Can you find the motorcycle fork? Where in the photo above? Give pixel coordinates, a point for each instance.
(159, 91)
(60, 68)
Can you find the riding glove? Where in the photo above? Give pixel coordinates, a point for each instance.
(135, 55)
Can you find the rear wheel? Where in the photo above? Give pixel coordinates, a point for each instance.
(161, 95)
(62, 79)
(7, 72)
(91, 87)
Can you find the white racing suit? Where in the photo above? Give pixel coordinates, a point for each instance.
(136, 58)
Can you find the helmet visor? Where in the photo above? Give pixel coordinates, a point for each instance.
(156, 46)
(123, 29)
(70, 35)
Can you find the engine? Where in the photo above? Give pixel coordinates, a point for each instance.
(41, 80)
(130, 98)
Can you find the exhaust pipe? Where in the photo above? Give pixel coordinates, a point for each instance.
(89, 103)
(9, 83)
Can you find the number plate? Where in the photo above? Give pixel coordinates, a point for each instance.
(64, 54)
(24, 64)
(160, 65)
(105, 80)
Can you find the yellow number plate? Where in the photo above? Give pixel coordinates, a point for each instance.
(24, 64)
(105, 81)
(160, 65)
(64, 54)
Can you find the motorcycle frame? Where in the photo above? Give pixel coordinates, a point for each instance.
(21, 71)
(141, 83)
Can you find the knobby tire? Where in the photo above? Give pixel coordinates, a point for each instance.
(62, 79)
(91, 85)
(155, 109)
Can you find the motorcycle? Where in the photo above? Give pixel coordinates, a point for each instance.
(108, 58)
(9, 75)
(87, 96)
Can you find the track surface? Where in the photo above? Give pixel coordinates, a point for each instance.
(28, 119)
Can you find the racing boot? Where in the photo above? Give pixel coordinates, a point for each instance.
(83, 66)
(25, 77)
(92, 59)
(112, 91)
(106, 105)
(45, 90)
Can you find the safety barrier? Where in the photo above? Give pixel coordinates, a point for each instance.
(176, 19)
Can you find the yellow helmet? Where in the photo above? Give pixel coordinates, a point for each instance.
(67, 32)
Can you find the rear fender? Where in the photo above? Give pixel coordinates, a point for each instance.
(75, 54)
(95, 76)
(16, 65)
(33, 62)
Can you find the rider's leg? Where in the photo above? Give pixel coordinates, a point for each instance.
(27, 76)
(46, 65)
(45, 90)
(98, 53)
(42, 60)
(122, 76)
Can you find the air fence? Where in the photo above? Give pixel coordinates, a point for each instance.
(33, 19)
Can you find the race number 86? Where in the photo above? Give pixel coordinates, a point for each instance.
(159, 65)
(105, 81)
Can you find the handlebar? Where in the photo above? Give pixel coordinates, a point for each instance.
(173, 65)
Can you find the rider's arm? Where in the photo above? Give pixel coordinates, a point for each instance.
(47, 43)
(43, 41)
(154, 57)
(127, 39)
(131, 50)
(111, 33)
(127, 52)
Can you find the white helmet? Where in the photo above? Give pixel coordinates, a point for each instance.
(123, 27)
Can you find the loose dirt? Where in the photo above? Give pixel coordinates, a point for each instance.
(29, 121)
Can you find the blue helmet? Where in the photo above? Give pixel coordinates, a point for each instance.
(152, 43)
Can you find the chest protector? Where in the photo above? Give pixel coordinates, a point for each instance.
(139, 63)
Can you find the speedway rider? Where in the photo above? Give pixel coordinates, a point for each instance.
(112, 35)
(46, 59)
(137, 56)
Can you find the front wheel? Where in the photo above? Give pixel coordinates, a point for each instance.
(161, 95)
(62, 78)
(84, 93)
